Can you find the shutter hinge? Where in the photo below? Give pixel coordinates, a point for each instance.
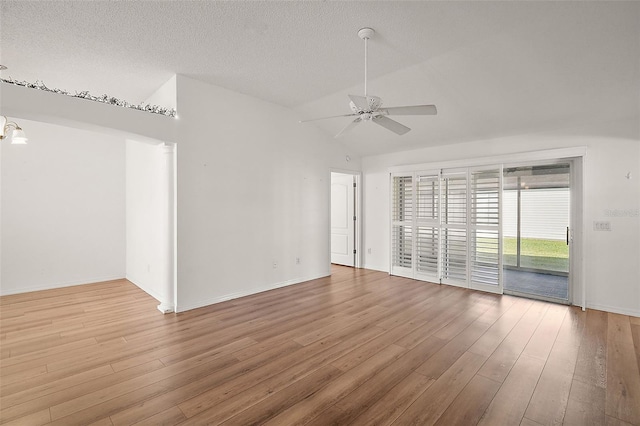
(354, 251)
(354, 184)
(354, 218)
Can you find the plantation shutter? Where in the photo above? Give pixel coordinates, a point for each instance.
(485, 242)
(446, 227)
(454, 228)
(428, 226)
(402, 214)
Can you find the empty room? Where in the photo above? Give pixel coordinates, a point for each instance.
(323, 213)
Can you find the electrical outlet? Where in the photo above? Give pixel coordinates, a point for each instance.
(275, 265)
(369, 250)
(297, 260)
(601, 226)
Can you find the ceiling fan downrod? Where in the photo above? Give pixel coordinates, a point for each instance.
(365, 33)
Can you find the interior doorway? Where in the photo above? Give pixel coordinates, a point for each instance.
(344, 219)
(536, 214)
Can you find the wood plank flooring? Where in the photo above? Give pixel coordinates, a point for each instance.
(359, 347)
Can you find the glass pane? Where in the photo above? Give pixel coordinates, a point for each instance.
(485, 257)
(485, 197)
(402, 198)
(427, 250)
(535, 217)
(402, 246)
(543, 229)
(454, 254)
(428, 193)
(455, 199)
(509, 227)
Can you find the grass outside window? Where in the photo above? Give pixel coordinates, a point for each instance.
(549, 255)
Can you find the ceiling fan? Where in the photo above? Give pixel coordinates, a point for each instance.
(369, 108)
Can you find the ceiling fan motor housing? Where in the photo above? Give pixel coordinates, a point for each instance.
(373, 102)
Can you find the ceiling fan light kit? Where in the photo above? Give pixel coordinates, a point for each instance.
(18, 136)
(369, 108)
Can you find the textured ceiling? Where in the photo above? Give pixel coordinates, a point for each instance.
(492, 68)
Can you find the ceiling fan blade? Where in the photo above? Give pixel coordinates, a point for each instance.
(360, 102)
(410, 110)
(387, 123)
(324, 118)
(348, 127)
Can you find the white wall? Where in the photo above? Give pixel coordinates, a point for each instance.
(63, 208)
(146, 229)
(253, 190)
(109, 123)
(611, 259)
(166, 94)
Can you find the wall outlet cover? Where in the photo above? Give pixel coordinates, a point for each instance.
(601, 226)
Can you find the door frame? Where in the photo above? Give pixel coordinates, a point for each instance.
(357, 208)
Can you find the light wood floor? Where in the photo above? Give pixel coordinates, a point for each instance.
(358, 348)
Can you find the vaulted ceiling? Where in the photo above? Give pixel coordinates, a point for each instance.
(493, 68)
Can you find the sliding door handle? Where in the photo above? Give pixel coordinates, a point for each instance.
(567, 235)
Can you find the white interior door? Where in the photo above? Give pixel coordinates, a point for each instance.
(342, 219)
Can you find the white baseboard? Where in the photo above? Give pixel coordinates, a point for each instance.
(255, 290)
(614, 309)
(146, 290)
(376, 268)
(52, 286)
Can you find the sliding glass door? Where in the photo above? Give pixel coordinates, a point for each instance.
(536, 212)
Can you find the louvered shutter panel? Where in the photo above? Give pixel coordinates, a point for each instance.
(427, 226)
(446, 226)
(454, 228)
(402, 214)
(485, 244)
